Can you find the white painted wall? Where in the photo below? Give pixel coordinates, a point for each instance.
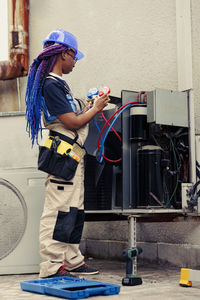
(16, 150)
(196, 59)
(127, 44)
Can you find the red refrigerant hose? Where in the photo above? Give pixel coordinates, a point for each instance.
(107, 123)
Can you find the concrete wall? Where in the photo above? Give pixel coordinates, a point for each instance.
(127, 45)
(174, 243)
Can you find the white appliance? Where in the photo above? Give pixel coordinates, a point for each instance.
(22, 193)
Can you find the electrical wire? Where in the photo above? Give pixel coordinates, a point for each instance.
(178, 168)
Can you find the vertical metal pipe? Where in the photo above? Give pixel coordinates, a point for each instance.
(18, 94)
(17, 63)
(132, 238)
(184, 70)
(192, 152)
(132, 231)
(184, 45)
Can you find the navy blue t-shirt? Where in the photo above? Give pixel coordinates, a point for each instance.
(55, 96)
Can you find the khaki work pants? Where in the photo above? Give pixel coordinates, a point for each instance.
(61, 223)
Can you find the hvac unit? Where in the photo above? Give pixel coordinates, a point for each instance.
(21, 202)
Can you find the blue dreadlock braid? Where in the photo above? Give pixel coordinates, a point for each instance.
(40, 68)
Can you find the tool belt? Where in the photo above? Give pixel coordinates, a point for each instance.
(60, 155)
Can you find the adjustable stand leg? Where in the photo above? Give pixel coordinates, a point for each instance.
(130, 256)
(132, 237)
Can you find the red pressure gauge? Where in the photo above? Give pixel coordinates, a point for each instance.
(104, 90)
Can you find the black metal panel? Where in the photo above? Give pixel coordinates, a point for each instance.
(98, 184)
(127, 180)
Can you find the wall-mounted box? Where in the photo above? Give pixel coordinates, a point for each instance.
(167, 107)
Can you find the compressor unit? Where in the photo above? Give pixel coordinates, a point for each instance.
(154, 151)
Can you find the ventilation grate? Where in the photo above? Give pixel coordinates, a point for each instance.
(13, 217)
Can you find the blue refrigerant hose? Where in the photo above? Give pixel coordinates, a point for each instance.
(95, 123)
(100, 157)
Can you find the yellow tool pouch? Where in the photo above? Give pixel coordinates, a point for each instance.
(62, 148)
(60, 155)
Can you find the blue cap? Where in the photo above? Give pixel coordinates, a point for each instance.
(66, 38)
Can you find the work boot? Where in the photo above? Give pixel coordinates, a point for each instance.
(84, 270)
(62, 272)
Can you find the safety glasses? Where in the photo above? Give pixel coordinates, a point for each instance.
(72, 55)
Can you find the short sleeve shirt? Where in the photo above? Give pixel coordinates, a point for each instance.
(55, 96)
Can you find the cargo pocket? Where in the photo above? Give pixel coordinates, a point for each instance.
(51, 162)
(78, 228)
(65, 226)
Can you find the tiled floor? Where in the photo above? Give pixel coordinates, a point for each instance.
(159, 282)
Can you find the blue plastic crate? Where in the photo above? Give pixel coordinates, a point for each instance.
(69, 288)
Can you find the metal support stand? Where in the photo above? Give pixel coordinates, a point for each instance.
(132, 237)
(130, 256)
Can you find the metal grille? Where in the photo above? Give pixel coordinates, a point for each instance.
(13, 217)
